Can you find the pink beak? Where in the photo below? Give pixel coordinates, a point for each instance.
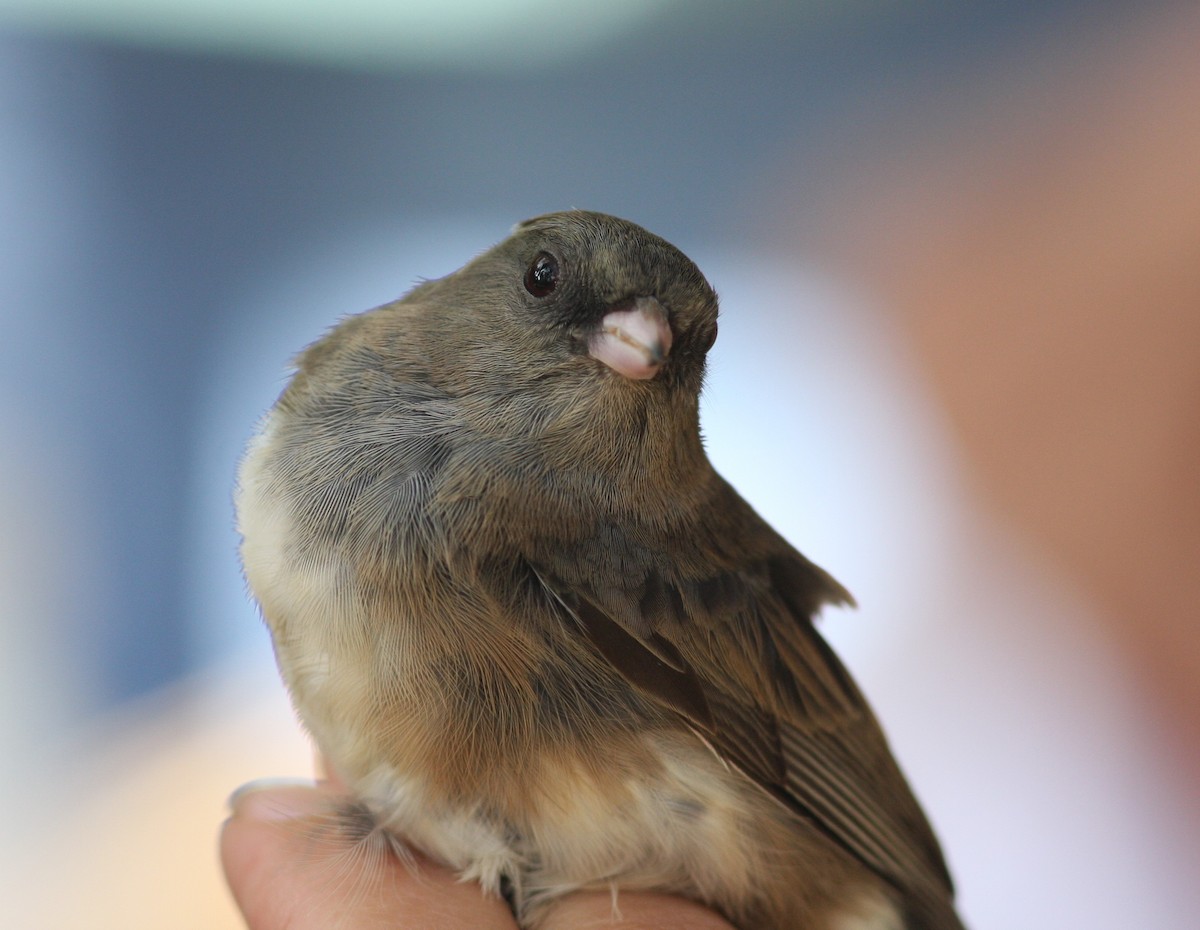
(634, 339)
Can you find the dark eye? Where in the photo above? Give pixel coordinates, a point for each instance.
(542, 277)
(707, 342)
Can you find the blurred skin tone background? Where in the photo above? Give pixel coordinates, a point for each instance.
(959, 366)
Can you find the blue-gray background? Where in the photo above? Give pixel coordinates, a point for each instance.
(180, 213)
(150, 195)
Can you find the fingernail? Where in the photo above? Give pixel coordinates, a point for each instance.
(275, 799)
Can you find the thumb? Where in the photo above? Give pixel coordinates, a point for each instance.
(629, 911)
(292, 863)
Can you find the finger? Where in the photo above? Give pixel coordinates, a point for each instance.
(637, 911)
(291, 864)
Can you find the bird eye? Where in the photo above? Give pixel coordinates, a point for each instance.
(542, 277)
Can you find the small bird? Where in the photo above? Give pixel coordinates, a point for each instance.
(537, 634)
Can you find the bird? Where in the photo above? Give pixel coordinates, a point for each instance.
(536, 633)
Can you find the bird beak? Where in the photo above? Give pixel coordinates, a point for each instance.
(634, 338)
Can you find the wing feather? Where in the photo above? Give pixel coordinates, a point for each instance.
(715, 623)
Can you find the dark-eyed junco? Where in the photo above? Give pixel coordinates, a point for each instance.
(537, 634)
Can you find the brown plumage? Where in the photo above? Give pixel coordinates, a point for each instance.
(537, 634)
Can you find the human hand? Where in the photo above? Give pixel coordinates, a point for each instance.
(286, 872)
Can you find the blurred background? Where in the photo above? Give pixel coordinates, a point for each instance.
(958, 250)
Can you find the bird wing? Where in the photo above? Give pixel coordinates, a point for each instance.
(713, 619)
